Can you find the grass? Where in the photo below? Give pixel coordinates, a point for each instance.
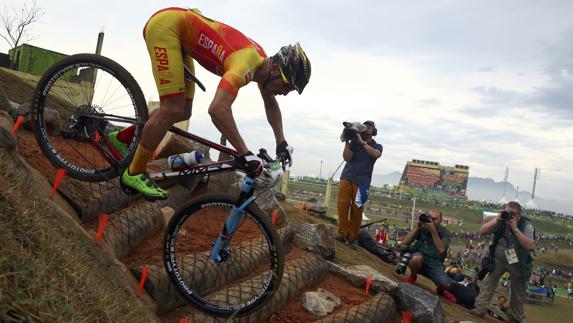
(561, 260)
(49, 270)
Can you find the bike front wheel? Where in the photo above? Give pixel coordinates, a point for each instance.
(253, 262)
(78, 103)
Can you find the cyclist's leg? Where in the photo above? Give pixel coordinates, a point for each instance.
(164, 47)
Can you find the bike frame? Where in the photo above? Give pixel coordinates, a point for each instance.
(219, 252)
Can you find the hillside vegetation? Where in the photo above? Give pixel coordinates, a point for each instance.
(49, 269)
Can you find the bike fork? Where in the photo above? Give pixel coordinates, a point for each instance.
(219, 252)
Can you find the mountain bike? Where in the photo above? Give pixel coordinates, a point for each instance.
(220, 251)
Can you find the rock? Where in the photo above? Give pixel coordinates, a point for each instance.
(4, 103)
(320, 303)
(51, 118)
(167, 213)
(424, 305)
(6, 137)
(280, 196)
(357, 275)
(316, 238)
(21, 110)
(6, 120)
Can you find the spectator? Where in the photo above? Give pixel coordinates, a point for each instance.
(382, 236)
(501, 301)
(360, 155)
(429, 252)
(512, 246)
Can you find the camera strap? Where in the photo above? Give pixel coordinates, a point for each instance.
(496, 237)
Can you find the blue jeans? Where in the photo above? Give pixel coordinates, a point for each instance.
(435, 274)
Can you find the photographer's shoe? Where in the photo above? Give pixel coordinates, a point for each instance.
(447, 295)
(410, 280)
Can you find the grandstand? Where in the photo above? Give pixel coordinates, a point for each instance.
(431, 177)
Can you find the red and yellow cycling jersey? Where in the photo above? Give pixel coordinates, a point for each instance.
(176, 36)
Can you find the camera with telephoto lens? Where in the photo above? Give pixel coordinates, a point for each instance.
(507, 215)
(404, 255)
(425, 218)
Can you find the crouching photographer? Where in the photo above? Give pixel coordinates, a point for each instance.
(428, 252)
(510, 252)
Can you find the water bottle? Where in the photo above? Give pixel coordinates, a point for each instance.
(180, 161)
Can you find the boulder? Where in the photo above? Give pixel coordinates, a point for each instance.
(51, 118)
(6, 137)
(425, 306)
(4, 103)
(357, 275)
(321, 302)
(316, 238)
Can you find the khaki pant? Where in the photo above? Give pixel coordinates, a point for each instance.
(517, 289)
(349, 215)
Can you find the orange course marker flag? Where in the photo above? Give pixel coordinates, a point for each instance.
(406, 315)
(275, 216)
(17, 124)
(368, 284)
(142, 280)
(60, 174)
(101, 227)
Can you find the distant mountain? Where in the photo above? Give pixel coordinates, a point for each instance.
(489, 190)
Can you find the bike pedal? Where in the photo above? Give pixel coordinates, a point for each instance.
(126, 189)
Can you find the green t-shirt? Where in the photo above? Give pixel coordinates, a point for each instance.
(425, 245)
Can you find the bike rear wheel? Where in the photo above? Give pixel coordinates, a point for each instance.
(92, 96)
(251, 272)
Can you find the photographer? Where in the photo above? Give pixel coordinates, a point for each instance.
(429, 252)
(511, 252)
(360, 153)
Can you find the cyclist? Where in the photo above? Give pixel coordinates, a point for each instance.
(177, 36)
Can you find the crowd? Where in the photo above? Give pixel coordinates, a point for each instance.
(472, 275)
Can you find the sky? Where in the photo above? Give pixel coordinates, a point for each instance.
(481, 83)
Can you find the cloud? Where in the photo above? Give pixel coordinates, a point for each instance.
(430, 102)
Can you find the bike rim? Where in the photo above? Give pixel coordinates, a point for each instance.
(91, 101)
(233, 287)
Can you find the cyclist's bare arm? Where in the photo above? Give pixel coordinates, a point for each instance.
(222, 116)
(274, 116)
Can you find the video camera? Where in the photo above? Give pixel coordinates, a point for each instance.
(351, 129)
